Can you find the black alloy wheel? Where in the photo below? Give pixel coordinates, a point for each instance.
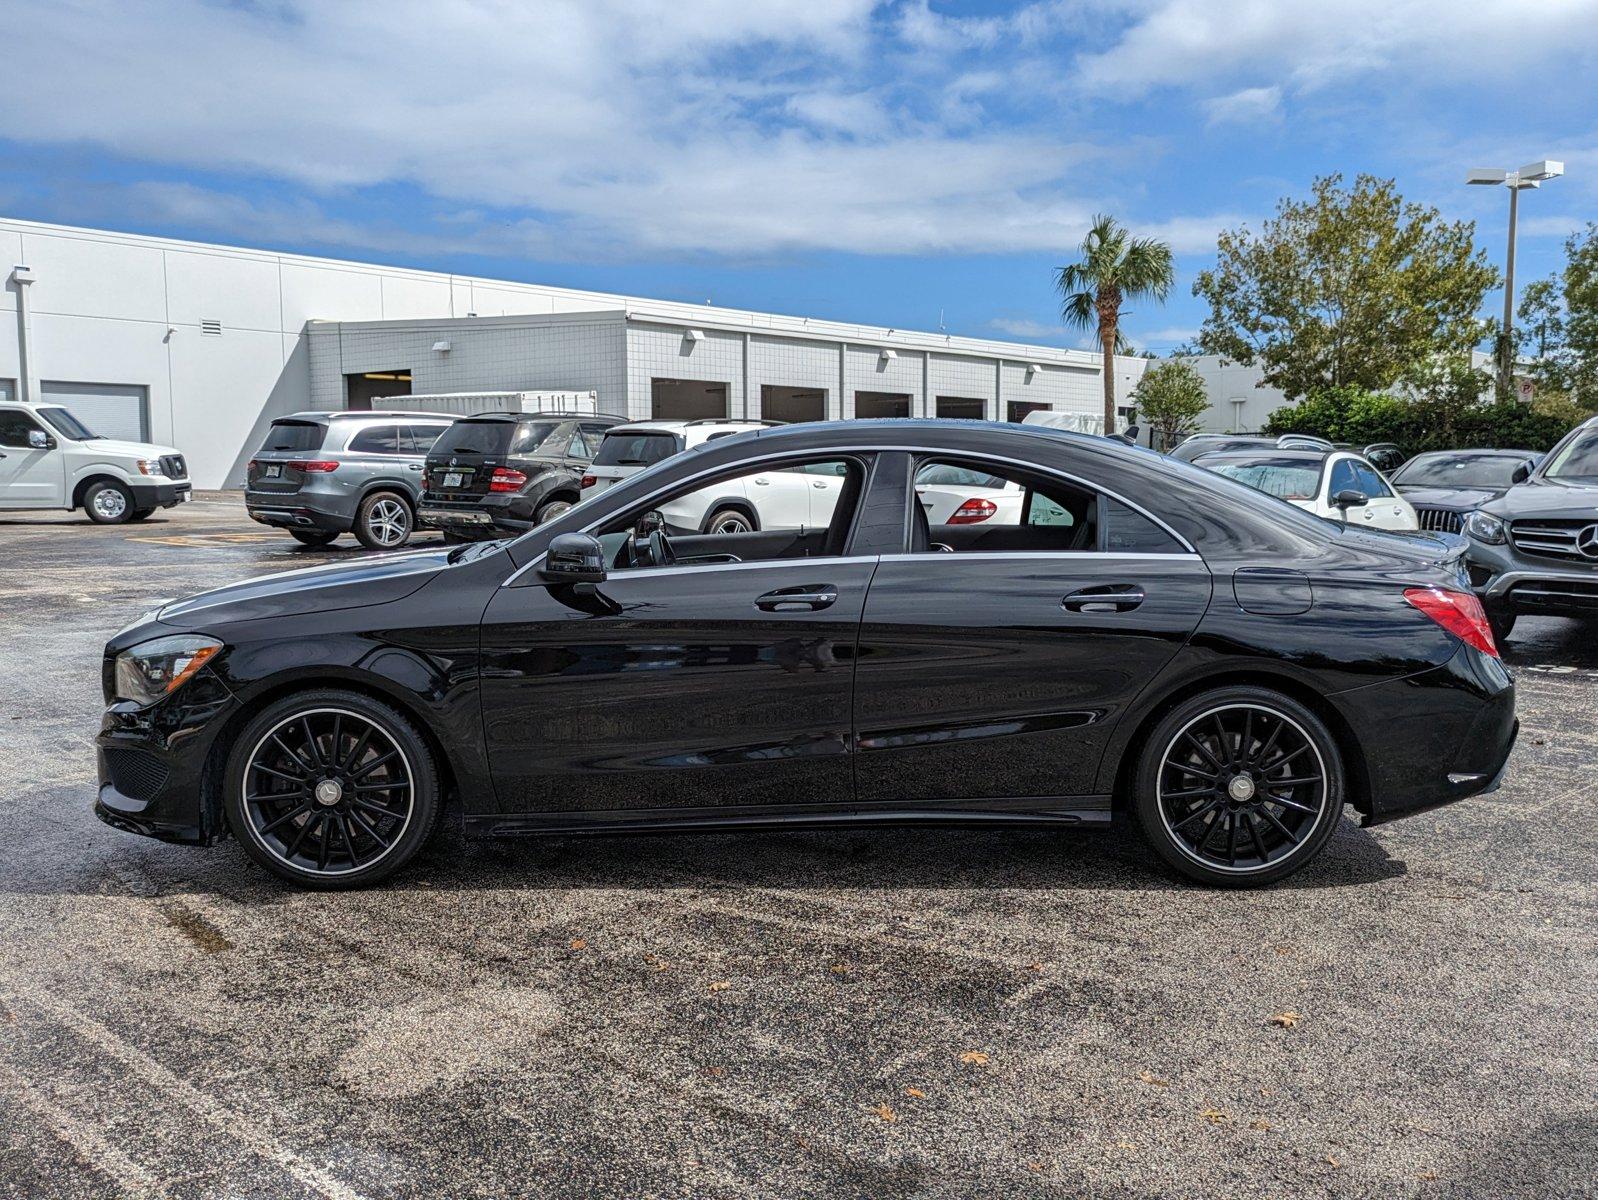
(331, 789)
(1239, 787)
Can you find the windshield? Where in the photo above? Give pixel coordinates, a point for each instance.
(474, 437)
(1285, 479)
(1458, 471)
(1577, 459)
(635, 449)
(294, 435)
(67, 425)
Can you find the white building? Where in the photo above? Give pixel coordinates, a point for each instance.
(200, 346)
(1239, 403)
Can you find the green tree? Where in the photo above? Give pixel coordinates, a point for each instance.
(1540, 321)
(1171, 398)
(1115, 267)
(1579, 356)
(1350, 288)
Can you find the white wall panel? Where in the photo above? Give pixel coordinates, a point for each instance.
(416, 298)
(88, 350)
(10, 256)
(329, 294)
(240, 292)
(94, 278)
(221, 388)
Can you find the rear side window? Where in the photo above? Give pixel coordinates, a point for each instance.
(635, 449)
(295, 435)
(419, 439)
(475, 437)
(1127, 531)
(541, 437)
(377, 439)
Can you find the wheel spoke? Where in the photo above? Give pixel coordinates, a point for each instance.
(323, 843)
(1283, 829)
(294, 755)
(273, 771)
(357, 750)
(1248, 736)
(1231, 839)
(1259, 843)
(1190, 793)
(1224, 740)
(1280, 783)
(1197, 813)
(1270, 742)
(371, 831)
(378, 809)
(1292, 804)
(1205, 751)
(299, 838)
(367, 768)
(310, 742)
(285, 818)
(344, 833)
(1284, 759)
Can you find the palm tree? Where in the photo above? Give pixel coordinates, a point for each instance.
(1115, 267)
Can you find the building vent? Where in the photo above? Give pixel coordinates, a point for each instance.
(211, 326)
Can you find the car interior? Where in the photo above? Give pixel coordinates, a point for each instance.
(1054, 517)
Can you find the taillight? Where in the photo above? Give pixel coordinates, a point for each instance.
(588, 481)
(314, 464)
(506, 480)
(1458, 612)
(427, 480)
(254, 466)
(972, 511)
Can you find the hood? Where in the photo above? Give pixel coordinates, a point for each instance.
(1547, 498)
(112, 447)
(1460, 498)
(319, 589)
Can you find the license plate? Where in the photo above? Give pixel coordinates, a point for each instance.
(274, 470)
(452, 479)
(185, 497)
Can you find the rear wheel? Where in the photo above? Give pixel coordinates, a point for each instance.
(383, 521)
(729, 520)
(313, 537)
(331, 789)
(553, 509)
(1239, 787)
(108, 502)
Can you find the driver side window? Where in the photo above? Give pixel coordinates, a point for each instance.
(785, 510)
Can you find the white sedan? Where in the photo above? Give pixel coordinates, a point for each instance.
(955, 495)
(1340, 485)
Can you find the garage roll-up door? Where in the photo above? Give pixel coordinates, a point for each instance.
(112, 410)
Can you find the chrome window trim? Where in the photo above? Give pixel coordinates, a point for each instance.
(1033, 555)
(813, 452)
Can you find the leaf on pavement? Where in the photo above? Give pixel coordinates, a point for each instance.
(1262, 1125)
(1153, 1080)
(886, 1113)
(974, 1058)
(721, 985)
(579, 944)
(1214, 1116)
(1286, 1019)
(915, 1093)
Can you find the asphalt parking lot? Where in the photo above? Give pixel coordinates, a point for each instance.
(904, 1013)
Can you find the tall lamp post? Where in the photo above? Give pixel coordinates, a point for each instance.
(1530, 176)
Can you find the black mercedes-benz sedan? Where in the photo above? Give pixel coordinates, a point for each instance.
(1095, 634)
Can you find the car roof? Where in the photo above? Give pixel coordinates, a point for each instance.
(1303, 456)
(508, 415)
(663, 426)
(1484, 453)
(347, 414)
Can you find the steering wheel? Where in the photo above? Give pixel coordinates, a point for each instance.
(652, 549)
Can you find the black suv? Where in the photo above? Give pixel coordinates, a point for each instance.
(500, 474)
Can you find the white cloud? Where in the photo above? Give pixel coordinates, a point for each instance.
(1025, 327)
(1316, 42)
(1248, 106)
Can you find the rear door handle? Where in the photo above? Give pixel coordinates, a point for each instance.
(1105, 598)
(806, 596)
(413, 466)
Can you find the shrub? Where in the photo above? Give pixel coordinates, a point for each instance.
(1428, 422)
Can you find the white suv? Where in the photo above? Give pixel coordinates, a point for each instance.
(50, 459)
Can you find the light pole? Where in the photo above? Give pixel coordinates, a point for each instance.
(1530, 176)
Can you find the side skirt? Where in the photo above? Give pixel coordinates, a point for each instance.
(1072, 811)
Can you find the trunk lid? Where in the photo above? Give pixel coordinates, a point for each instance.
(277, 467)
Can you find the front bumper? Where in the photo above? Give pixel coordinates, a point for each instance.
(160, 495)
(1508, 580)
(152, 764)
(1433, 738)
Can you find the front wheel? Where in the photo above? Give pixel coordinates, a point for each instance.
(383, 521)
(1239, 787)
(108, 503)
(331, 789)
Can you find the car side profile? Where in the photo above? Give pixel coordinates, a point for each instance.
(321, 474)
(1340, 485)
(49, 459)
(1148, 643)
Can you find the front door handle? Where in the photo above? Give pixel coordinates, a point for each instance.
(1105, 598)
(413, 466)
(810, 597)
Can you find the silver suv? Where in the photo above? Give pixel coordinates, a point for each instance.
(320, 474)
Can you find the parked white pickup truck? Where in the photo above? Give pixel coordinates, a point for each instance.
(48, 459)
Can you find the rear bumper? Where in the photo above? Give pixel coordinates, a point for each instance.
(290, 511)
(160, 495)
(1433, 738)
(489, 514)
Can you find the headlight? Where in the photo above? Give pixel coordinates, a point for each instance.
(1485, 527)
(149, 466)
(151, 670)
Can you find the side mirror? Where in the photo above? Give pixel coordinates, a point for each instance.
(1520, 473)
(38, 439)
(1348, 498)
(574, 558)
(648, 523)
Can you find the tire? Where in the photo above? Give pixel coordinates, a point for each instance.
(304, 820)
(1213, 829)
(108, 503)
(552, 509)
(313, 537)
(141, 514)
(384, 521)
(730, 520)
(1503, 624)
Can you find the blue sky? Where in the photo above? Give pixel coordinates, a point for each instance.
(895, 163)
